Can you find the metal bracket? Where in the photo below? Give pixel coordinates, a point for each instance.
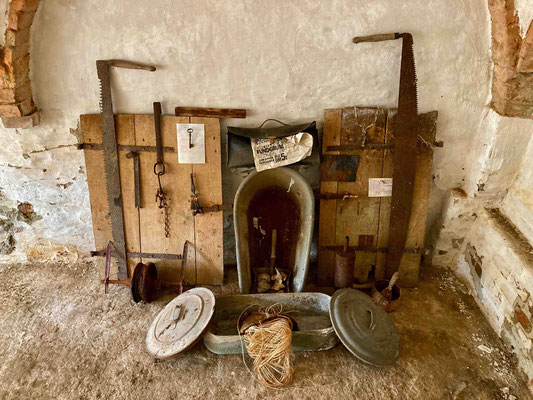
(133, 254)
(215, 208)
(136, 177)
(125, 147)
(374, 249)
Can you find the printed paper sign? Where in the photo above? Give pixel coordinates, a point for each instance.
(283, 151)
(379, 187)
(191, 143)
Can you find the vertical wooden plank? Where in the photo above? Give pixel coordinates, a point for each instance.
(410, 262)
(126, 136)
(91, 129)
(208, 226)
(176, 186)
(331, 136)
(385, 202)
(358, 218)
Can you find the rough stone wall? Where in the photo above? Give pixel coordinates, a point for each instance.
(488, 251)
(491, 249)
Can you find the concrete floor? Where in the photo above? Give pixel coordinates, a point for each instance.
(61, 337)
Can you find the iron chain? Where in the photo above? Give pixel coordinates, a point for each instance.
(161, 197)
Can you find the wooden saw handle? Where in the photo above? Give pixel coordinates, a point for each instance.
(380, 37)
(131, 65)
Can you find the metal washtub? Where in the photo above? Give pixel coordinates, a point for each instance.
(309, 310)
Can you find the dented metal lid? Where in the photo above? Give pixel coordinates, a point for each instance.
(364, 327)
(181, 323)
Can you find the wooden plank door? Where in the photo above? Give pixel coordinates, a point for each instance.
(145, 227)
(366, 220)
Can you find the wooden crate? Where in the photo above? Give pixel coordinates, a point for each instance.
(144, 227)
(366, 219)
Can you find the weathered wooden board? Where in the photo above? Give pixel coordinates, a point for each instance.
(358, 218)
(328, 208)
(207, 178)
(366, 220)
(144, 228)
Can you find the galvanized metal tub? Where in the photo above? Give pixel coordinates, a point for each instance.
(291, 181)
(309, 310)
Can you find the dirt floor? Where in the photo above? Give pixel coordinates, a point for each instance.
(61, 337)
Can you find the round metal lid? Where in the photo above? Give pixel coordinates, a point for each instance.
(364, 327)
(181, 323)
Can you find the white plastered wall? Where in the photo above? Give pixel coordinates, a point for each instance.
(278, 59)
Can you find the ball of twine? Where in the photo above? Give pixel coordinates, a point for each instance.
(269, 345)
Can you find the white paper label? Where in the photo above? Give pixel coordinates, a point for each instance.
(379, 187)
(191, 143)
(283, 151)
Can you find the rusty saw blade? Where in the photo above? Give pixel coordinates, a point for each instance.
(404, 158)
(405, 149)
(111, 167)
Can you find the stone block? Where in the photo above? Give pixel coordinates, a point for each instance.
(20, 19)
(520, 317)
(18, 42)
(525, 58)
(7, 96)
(26, 106)
(23, 91)
(23, 5)
(25, 122)
(10, 110)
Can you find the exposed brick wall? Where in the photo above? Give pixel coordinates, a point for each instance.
(15, 93)
(512, 84)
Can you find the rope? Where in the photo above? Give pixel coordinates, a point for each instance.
(269, 345)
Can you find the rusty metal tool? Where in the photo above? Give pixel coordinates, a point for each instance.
(160, 169)
(137, 254)
(107, 267)
(273, 251)
(144, 282)
(344, 265)
(114, 196)
(386, 293)
(136, 177)
(195, 204)
(124, 147)
(405, 146)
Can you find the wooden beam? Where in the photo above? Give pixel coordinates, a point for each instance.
(210, 112)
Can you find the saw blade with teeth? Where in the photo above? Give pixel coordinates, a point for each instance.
(111, 168)
(405, 150)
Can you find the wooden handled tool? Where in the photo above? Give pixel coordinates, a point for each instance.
(111, 167)
(273, 251)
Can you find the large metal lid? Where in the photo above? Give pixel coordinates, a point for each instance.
(181, 323)
(364, 327)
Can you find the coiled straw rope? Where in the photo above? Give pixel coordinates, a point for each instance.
(269, 345)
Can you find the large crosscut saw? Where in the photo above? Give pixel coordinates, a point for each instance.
(112, 174)
(405, 150)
